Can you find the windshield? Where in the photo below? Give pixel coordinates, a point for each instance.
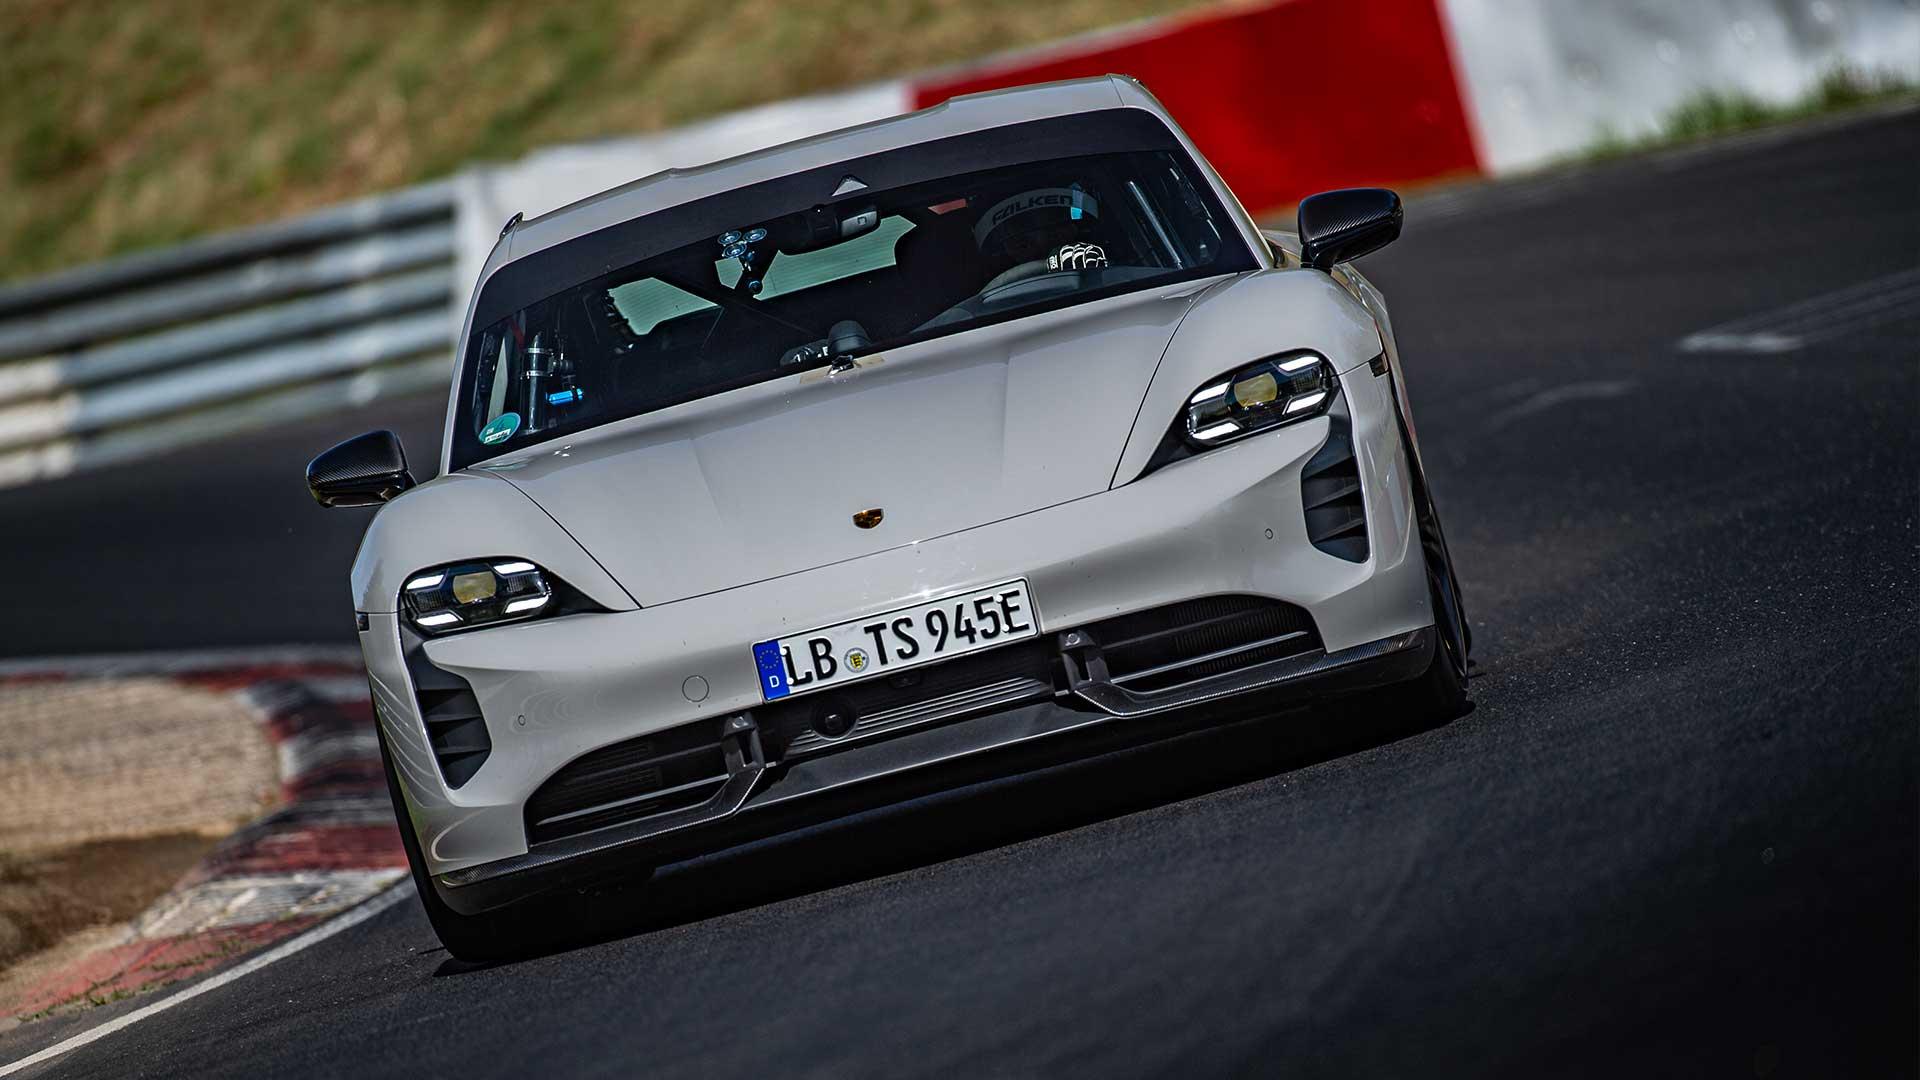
(791, 288)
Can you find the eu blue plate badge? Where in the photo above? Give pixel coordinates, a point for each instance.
(773, 669)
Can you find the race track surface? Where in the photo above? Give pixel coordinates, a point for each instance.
(1679, 833)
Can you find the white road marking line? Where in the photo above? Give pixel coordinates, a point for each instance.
(1856, 307)
(1517, 388)
(1720, 341)
(314, 936)
(1595, 390)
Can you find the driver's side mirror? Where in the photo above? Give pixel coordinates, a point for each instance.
(1340, 226)
(362, 471)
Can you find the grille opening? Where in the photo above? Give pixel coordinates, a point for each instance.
(985, 681)
(455, 729)
(674, 769)
(1330, 492)
(1165, 647)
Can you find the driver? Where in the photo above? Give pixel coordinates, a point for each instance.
(1036, 232)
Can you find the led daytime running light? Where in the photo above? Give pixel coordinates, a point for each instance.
(469, 595)
(1268, 393)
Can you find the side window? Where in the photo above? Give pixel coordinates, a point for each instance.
(529, 376)
(495, 376)
(1197, 230)
(791, 273)
(1172, 218)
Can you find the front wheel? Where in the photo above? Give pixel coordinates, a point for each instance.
(483, 938)
(1438, 694)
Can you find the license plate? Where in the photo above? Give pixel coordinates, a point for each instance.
(894, 641)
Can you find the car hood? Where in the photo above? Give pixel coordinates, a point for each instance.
(939, 436)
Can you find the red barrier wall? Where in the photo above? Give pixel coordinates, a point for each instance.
(1285, 99)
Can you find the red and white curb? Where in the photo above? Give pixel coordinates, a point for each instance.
(331, 845)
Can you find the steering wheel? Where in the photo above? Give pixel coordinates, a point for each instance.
(1032, 268)
(1028, 277)
(1034, 277)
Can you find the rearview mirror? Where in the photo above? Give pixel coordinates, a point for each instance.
(1340, 226)
(362, 471)
(823, 226)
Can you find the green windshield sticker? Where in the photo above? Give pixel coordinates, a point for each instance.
(500, 428)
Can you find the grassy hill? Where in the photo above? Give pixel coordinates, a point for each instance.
(134, 124)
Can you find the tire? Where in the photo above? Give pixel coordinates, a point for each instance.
(488, 937)
(1443, 588)
(1440, 693)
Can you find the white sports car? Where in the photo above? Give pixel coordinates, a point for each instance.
(963, 433)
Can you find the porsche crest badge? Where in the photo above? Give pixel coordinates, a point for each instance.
(867, 519)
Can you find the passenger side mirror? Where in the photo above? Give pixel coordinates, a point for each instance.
(362, 471)
(1340, 226)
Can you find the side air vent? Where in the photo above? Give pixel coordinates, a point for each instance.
(1165, 647)
(455, 728)
(1330, 491)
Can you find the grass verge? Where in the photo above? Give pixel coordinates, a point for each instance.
(133, 125)
(1720, 112)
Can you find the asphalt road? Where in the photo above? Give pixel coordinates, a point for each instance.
(1680, 832)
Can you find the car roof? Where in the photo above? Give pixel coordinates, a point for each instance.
(671, 187)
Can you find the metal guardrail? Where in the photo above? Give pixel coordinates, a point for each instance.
(259, 326)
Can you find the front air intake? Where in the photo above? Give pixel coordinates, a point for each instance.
(669, 770)
(1172, 646)
(1330, 492)
(455, 729)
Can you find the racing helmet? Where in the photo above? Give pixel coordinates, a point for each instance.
(1040, 224)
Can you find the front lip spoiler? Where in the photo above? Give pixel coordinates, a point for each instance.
(763, 799)
(1321, 667)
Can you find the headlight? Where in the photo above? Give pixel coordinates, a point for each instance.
(478, 593)
(1266, 394)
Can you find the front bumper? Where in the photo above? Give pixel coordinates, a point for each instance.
(1228, 522)
(760, 798)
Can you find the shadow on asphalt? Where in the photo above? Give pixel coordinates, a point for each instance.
(963, 821)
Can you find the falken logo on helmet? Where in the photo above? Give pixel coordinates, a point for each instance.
(1077, 257)
(1073, 200)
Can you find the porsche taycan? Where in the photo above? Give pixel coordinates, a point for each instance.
(770, 485)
